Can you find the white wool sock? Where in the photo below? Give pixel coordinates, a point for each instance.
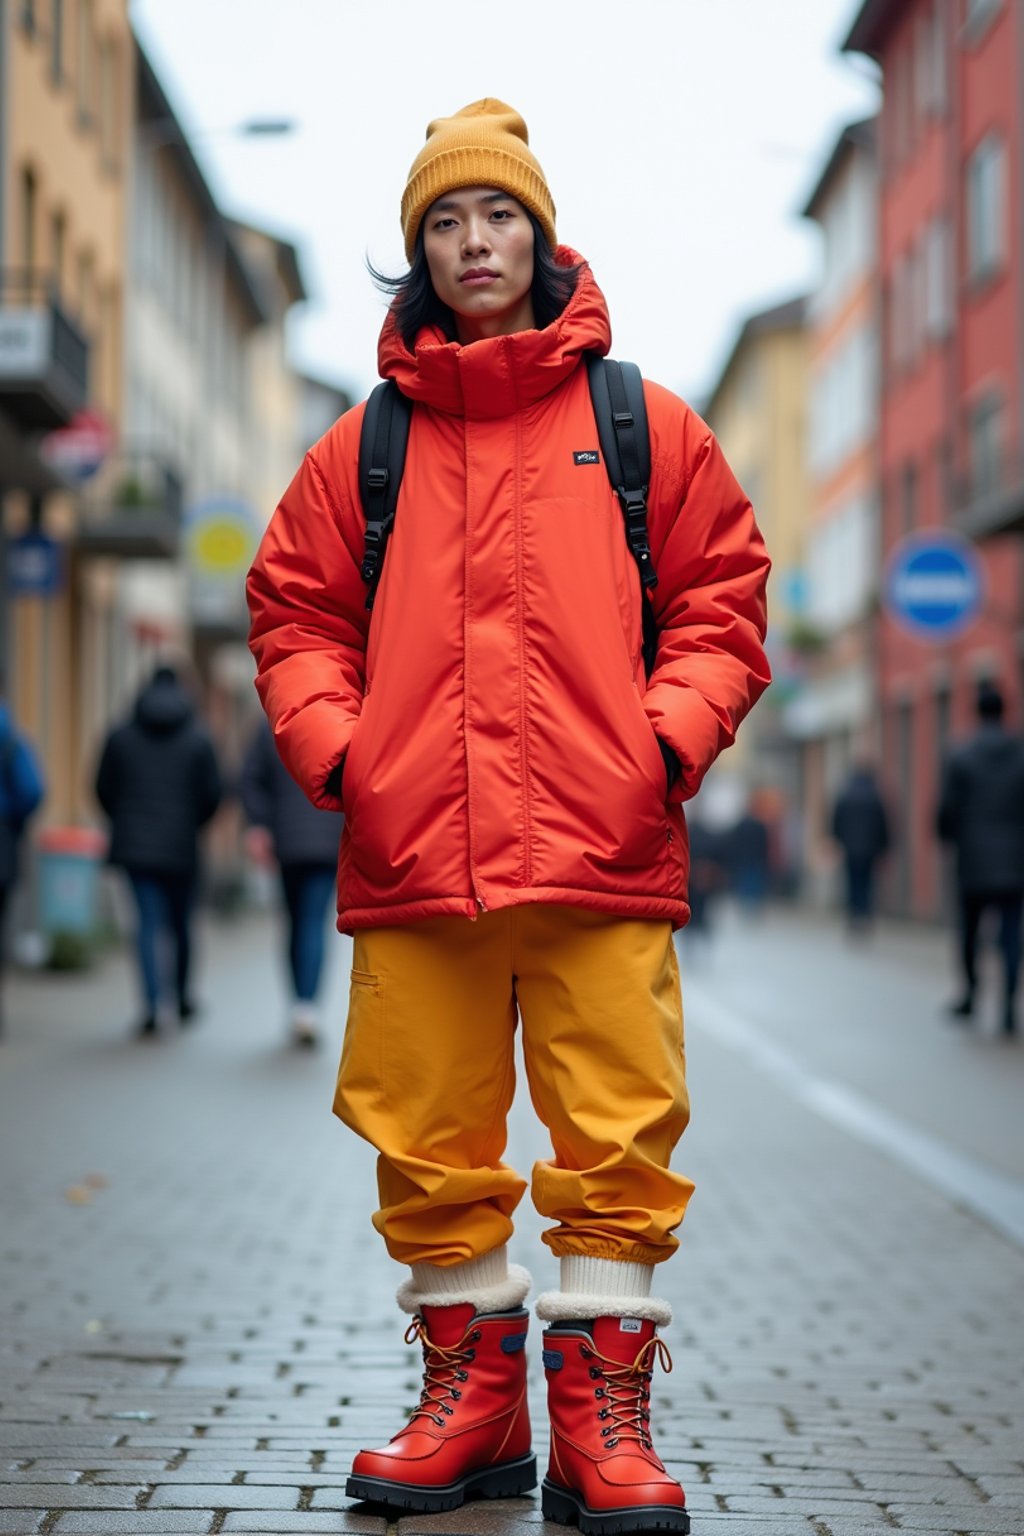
(490, 1282)
(591, 1287)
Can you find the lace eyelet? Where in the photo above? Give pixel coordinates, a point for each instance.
(475, 1336)
(599, 1392)
(438, 1420)
(604, 1413)
(613, 1443)
(470, 1354)
(455, 1393)
(585, 1353)
(594, 1373)
(606, 1431)
(461, 1375)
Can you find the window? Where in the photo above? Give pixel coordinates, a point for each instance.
(86, 66)
(978, 16)
(986, 208)
(985, 446)
(57, 40)
(908, 498)
(109, 104)
(900, 312)
(29, 207)
(937, 281)
(58, 246)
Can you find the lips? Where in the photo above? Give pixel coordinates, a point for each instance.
(478, 277)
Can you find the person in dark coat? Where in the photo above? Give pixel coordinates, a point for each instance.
(22, 789)
(286, 828)
(159, 783)
(981, 813)
(860, 825)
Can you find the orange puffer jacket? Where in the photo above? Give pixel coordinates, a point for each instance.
(498, 735)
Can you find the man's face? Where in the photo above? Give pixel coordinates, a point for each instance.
(479, 248)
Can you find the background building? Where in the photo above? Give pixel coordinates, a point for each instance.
(758, 411)
(66, 93)
(950, 425)
(832, 713)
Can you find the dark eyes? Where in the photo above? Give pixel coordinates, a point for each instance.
(502, 215)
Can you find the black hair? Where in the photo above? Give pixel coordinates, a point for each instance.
(989, 701)
(415, 303)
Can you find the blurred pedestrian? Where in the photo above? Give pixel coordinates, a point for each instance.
(708, 875)
(749, 857)
(860, 825)
(287, 831)
(981, 814)
(22, 789)
(514, 840)
(159, 783)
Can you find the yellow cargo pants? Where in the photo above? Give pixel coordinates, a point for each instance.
(427, 1077)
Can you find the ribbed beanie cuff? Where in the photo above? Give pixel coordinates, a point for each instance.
(484, 145)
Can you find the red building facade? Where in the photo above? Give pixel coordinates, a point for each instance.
(951, 447)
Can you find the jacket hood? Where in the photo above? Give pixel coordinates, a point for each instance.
(494, 377)
(163, 706)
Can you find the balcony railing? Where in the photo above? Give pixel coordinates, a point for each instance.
(983, 507)
(44, 358)
(132, 508)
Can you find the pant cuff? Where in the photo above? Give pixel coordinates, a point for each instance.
(591, 1287)
(490, 1282)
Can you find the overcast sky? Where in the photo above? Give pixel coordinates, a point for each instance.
(679, 138)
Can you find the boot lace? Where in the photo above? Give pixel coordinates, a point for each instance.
(444, 1371)
(626, 1393)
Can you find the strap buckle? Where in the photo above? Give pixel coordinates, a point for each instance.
(377, 479)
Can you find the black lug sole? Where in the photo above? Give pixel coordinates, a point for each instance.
(564, 1507)
(505, 1481)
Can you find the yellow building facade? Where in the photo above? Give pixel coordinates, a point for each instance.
(758, 411)
(66, 104)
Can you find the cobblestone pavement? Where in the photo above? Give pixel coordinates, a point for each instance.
(197, 1319)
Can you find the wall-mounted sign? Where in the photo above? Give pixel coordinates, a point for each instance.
(35, 566)
(79, 449)
(221, 538)
(24, 343)
(934, 584)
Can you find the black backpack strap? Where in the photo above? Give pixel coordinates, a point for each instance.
(382, 444)
(617, 395)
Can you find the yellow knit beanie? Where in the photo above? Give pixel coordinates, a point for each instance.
(484, 145)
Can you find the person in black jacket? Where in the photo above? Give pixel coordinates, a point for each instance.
(981, 813)
(286, 828)
(860, 825)
(159, 783)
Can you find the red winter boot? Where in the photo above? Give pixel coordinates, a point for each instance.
(604, 1475)
(471, 1431)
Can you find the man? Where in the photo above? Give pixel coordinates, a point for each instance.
(159, 783)
(284, 829)
(981, 814)
(514, 843)
(860, 825)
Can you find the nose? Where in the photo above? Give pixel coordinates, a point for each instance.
(475, 237)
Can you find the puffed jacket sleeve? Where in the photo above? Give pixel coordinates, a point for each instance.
(712, 570)
(307, 604)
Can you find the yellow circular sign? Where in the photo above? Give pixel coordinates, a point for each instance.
(222, 540)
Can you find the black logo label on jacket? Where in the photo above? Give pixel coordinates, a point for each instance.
(587, 456)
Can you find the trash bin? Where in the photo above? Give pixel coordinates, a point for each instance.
(69, 860)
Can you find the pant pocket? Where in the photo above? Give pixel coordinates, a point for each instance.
(360, 1087)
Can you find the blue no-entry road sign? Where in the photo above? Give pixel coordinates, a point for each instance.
(934, 584)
